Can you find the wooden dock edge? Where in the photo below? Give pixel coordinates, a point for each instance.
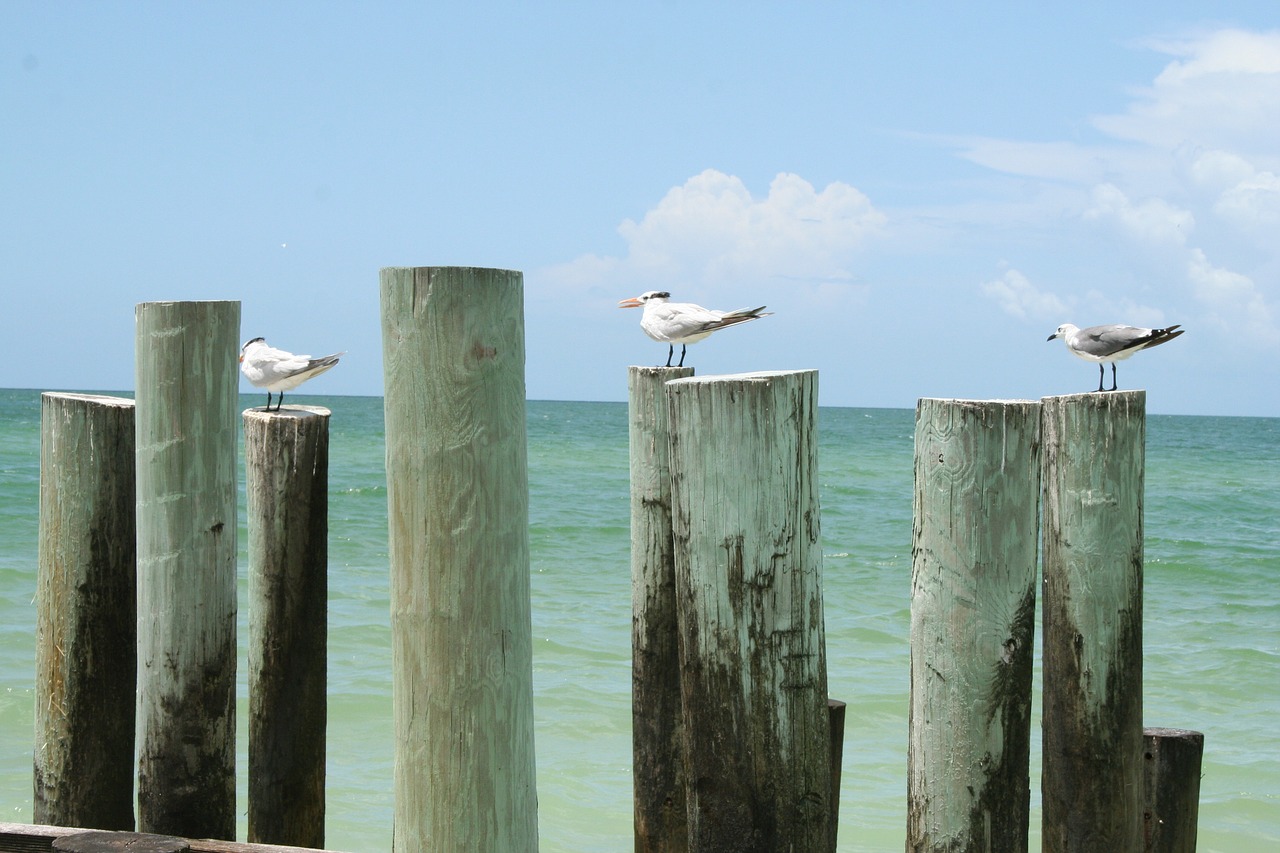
(23, 837)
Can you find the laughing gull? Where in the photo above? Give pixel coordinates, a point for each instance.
(1112, 343)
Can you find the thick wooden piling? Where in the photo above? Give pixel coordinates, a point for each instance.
(457, 477)
(973, 598)
(286, 488)
(86, 625)
(1092, 785)
(1171, 791)
(657, 733)
(749, 587)
(187, 525)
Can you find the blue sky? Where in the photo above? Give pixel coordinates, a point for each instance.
(921, 193)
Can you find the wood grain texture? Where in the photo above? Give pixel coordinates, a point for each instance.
(286, 489)
(973, 595)
(1094, 448)
(86, 624)
(657, 731)
(749, 588)
(453, 354)
(187, 385)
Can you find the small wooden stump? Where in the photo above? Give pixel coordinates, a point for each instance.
(134, 842)
(1171, 792)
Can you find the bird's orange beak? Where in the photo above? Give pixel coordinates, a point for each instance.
(633, 302)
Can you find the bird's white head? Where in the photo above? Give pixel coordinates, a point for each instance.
(1063, 330)
(244, 349)
(645, 298)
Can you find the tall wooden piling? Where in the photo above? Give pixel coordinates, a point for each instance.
(749, 585)
(1092, 786)
(1171, 790)
(86, 626)
(657, 734)
(457, 477)
(186, 514)
(286, 488)
(973, 598)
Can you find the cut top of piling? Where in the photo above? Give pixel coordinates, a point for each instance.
(761, 376)
(99, 399)
(290, 412)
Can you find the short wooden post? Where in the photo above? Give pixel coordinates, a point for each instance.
(836, 715)
(457, 482)
(187, 525)
(657, 734)
(86, 627)
(124, 842)
(1092, 661)
(286, 487)
(973, 602)
(749, 588)
(1171, 764)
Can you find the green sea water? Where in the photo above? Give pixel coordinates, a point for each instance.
(1211, 644)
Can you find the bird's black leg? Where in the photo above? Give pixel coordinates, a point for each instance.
(1113, 376)
(671, 350)
(683, 350)
(268, 408)
(279, 401)
(1101, 373)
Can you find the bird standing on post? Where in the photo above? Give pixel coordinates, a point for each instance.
(279, 371)
(684, 323)
(1112, 343)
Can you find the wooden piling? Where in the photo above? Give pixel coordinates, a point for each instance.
(1171, 789)
(973, 598)
(286, 488)
(457, 481)
(186, 386)
(661, 824)
(749, 587)
(86, 625)
(1092, 785)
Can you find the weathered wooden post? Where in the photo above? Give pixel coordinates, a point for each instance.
(286, 487)
(1171, 789)
(1092, 661)
(186, 514)
(86, 626)
(457, 482)
(973, 602)
(657, 734)
(749, 587)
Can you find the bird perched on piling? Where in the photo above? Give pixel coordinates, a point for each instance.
(279, 371)
(1112, 343)
(684, 323)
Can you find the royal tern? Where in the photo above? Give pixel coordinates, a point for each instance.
(684, 323)
(1112, 343)
(279, 371)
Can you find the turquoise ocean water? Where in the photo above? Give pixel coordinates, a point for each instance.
(1212, 618)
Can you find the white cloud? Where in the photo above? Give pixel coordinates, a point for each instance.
(1152, 221)
(1235, 303)
(1020, 298)
(1223, 92)
(712, 229)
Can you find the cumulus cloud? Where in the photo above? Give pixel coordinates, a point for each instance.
(1017, 296)
(1223, 91)
(1234, 302)
(1151, 221)
(712, 228)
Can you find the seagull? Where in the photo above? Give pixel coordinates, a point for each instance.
(1112, 343)
(279, 371)
(684, 323)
